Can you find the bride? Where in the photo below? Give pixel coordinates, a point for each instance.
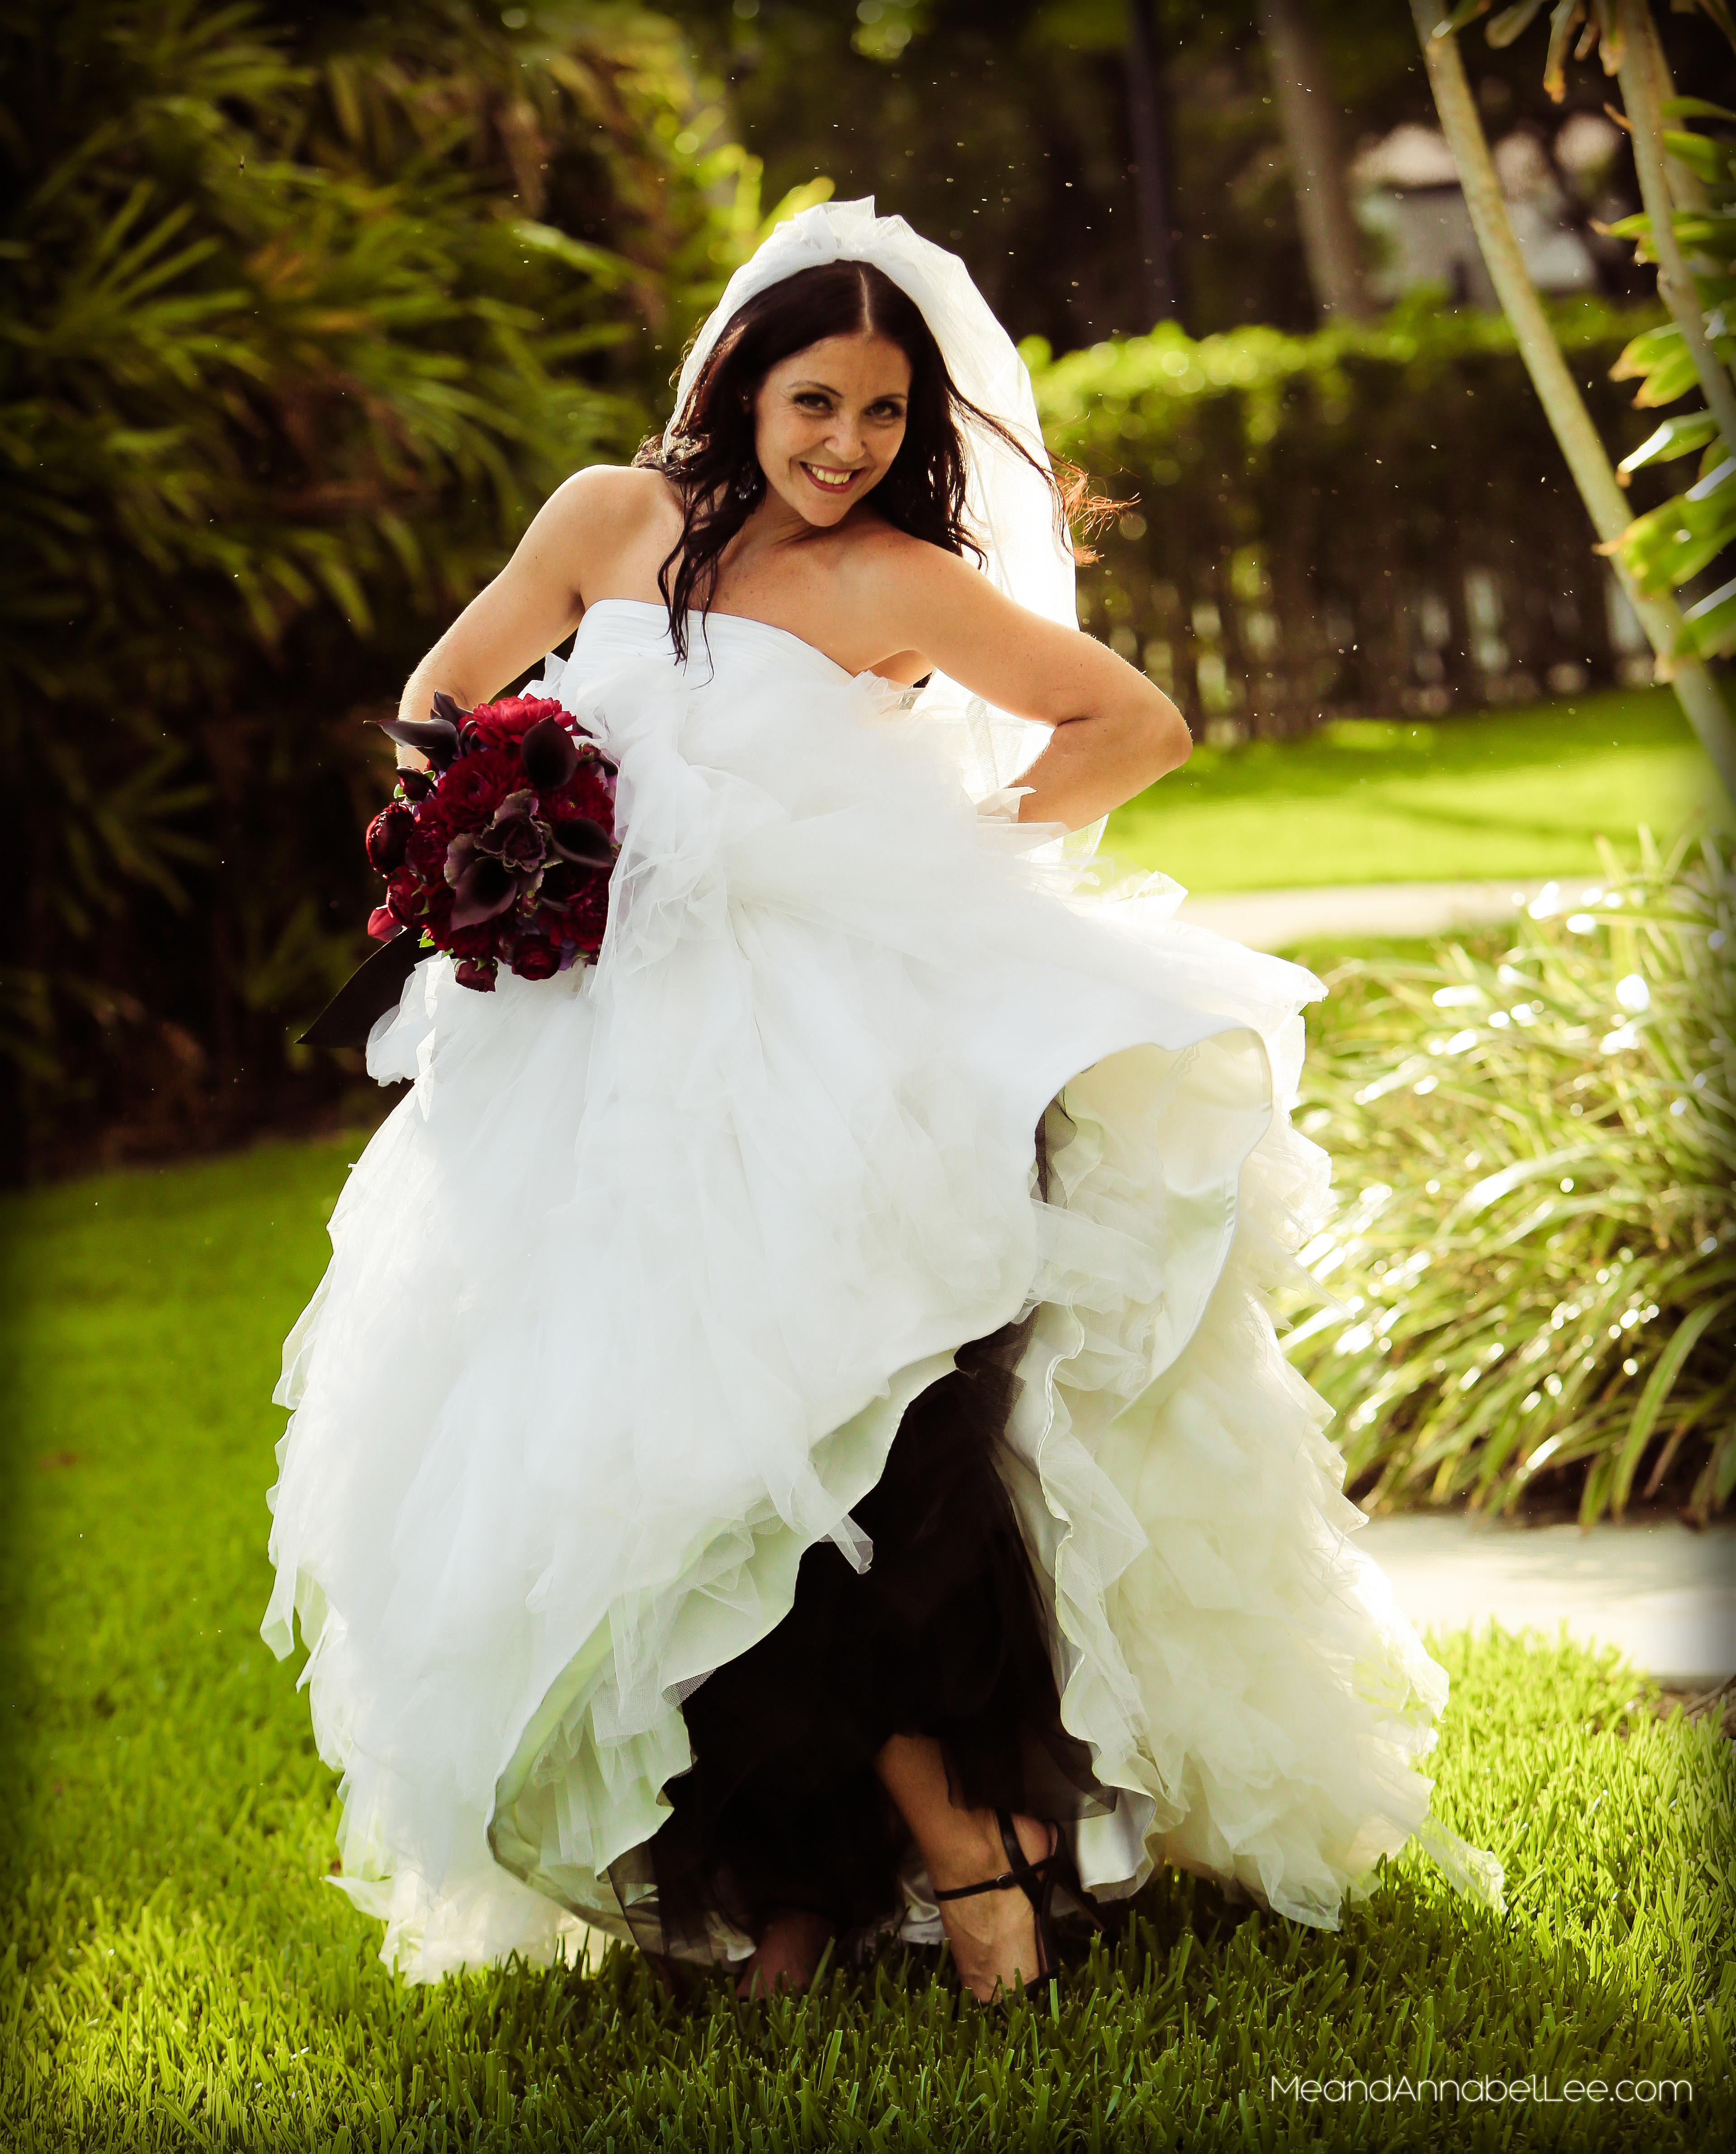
(791, 1444)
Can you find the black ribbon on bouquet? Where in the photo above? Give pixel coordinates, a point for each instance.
(376, 985)
(371, 991)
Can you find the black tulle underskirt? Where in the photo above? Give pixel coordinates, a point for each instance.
(946, 1634)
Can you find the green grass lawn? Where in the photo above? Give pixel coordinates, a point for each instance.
(1506, 793)
(177, 1974)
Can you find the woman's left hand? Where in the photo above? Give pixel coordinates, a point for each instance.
(1115, 734)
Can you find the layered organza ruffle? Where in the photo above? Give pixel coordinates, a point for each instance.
(628, 1297)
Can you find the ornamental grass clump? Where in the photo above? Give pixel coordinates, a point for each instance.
(1536, 1276)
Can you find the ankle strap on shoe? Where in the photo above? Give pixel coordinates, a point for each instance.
(1024, 1874)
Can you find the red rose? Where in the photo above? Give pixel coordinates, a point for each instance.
(403, 897)
(481, 976)
(535, 957)
(478, 943)
(425, 855)
(436, 916)
(567, 883)
(389, 835)
(383, 924)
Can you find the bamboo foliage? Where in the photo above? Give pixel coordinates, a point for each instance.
(300, 321)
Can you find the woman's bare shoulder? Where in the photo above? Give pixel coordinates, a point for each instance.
(629, 493)
(885, 557)
(599, 522)
(890, 566)
(872, 535)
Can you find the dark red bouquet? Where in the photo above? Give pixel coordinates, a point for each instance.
(500, 852)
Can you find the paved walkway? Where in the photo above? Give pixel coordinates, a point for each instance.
(1275, 919)
(1661, 1592)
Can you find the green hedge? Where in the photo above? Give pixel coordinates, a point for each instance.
(1374, 519)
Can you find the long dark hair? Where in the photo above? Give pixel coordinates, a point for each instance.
(712, 462)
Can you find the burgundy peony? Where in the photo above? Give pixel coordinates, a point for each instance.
(504, 724)
(502, 854)
(478, 783)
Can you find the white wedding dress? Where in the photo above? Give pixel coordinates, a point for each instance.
(629, 1293)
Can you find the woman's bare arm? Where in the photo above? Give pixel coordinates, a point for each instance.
(1115, 734)
(536, 600)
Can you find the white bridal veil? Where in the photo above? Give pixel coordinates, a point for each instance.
(1007, 505)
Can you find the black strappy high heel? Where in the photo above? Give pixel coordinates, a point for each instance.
(1037, 1880)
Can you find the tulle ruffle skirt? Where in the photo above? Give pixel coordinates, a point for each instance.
(642, 1315)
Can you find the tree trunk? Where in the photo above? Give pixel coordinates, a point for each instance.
(1309, 118)
(1148, 130)
(1557, 390)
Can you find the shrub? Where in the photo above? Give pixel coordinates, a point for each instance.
(1538, 1272)
(1371, 520)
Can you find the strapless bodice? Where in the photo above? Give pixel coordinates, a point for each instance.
(722, 648)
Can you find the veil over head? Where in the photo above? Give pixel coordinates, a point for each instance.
(1009, 507)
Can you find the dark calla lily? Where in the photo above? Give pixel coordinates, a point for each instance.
(459, 855)
(584, 843)
(437, 738)
(487, 886)
(417, 784)
(449, 709)
(549, 755)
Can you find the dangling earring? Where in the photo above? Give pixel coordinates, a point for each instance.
(748, 481)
